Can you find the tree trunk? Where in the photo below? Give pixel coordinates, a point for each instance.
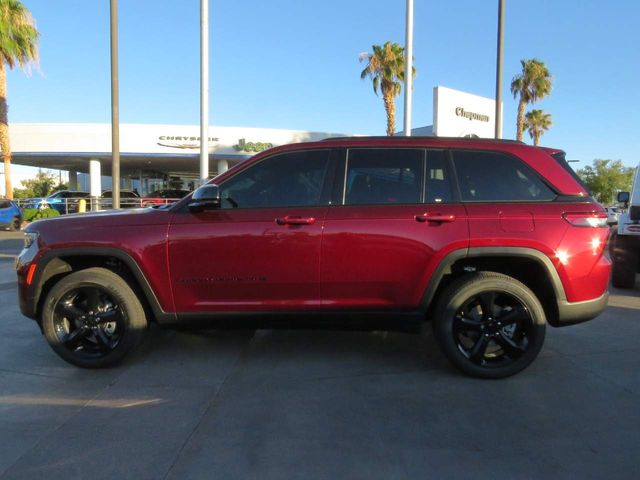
(4, 131)
(520, 123)
(390, 107)
(536, 138)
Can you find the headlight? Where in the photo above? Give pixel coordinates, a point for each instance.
(30, 238)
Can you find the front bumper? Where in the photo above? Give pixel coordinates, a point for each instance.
(570, 313)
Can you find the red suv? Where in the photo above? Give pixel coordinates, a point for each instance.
(489, 240)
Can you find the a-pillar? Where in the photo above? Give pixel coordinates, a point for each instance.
(95, 182)
(73, 180)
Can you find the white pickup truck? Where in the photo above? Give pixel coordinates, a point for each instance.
(625, 240)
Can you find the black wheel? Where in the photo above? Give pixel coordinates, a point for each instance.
(92, 318)
(17, 223)
(489, 325)
(624, 261)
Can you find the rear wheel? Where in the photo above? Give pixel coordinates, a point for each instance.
(624, 260)
(92, 318)
(489, 325)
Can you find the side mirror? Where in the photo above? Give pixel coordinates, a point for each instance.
(207, 197)
(623, 197)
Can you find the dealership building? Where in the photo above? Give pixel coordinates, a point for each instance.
(168, 156)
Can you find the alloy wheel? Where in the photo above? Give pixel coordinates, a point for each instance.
(89, 322)
(493, 329)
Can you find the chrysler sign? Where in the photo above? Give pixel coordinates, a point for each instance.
(173, 141)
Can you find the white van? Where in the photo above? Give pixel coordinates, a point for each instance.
(625, 241)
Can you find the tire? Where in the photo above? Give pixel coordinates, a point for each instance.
(17, 223)
(497, 341)
(624, 261)
(92, 318)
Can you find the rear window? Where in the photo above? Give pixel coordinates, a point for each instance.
(560, 157)
(496, 177)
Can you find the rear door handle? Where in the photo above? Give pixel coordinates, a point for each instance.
(435, 217)
(295, 220)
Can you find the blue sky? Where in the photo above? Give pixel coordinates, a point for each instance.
(294, 64)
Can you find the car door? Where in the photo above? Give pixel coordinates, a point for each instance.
(397, 218)
(261, 250)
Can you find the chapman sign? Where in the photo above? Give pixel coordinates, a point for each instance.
(461, 114)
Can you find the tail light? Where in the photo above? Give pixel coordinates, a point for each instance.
(586, 219)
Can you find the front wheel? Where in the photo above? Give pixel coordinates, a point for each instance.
(17, 223)
(489, 325)
(92, 318)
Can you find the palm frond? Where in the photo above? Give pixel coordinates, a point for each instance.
(18, 35)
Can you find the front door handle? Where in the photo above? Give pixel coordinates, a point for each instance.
(435, 217)
(295, 220)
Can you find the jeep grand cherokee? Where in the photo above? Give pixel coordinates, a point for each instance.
(490, 241)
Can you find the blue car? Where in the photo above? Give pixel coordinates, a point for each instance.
(64, 201)
(10, 215)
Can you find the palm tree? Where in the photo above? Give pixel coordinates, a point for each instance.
(386, 69)
(18, 46)
(533, 84)
(537, 122)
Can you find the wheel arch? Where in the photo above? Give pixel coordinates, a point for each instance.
(58, 263)
(529, 266)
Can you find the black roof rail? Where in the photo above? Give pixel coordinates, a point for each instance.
(424, 137)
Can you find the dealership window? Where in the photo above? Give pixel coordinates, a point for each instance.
(292, 179)
(495, 177)
(438, 178)
(384, 176)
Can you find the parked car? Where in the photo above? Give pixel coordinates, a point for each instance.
(128, 199)
(163, 197)
(624, 245)
(10, 214)
(490, 241)
(64, 201)
(612, 215)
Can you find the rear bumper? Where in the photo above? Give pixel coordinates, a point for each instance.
(570, 313)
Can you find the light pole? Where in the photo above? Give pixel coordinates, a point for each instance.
(204, 91)
(408, 69)
(115, 112)
(498, 126)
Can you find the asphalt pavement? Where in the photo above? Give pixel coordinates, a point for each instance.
(318, 405)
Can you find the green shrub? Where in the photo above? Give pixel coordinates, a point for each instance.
(33, 214)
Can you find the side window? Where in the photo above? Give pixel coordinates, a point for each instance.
(438, 178)
(4, 204)
(384, 176)
(496, 177)
(291, 179)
